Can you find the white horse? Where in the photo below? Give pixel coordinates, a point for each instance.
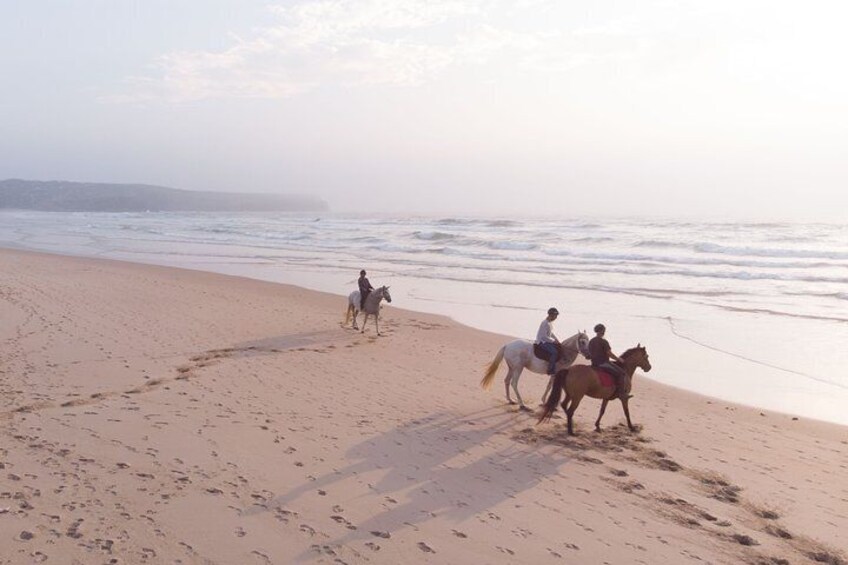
(519, 356)
(371, 308)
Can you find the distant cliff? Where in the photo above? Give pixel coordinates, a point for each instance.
(64, 196)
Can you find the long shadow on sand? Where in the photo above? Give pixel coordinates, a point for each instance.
(439, 465)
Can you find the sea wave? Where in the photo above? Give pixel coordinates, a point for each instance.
(662, 244)
(769, 267)
(433, 235)
(492, 223)
(770, 252)
(512, 245)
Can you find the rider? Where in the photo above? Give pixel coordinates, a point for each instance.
(365, 289)
(600, 353)
(547, 340)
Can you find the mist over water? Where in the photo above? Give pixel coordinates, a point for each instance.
(737, 290)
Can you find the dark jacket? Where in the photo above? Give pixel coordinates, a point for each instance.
(364, 286)
(599, 351)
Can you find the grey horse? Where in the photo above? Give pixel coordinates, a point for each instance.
(519, 356)
(371, 308)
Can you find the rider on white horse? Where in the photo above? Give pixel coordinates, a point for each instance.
(547, 340)
(365, 288)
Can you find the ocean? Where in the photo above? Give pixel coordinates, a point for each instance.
(754, 313)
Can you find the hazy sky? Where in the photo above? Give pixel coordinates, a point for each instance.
(703, 108)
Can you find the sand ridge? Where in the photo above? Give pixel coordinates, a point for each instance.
(153, 415)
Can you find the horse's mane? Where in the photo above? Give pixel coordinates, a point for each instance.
(628, 353)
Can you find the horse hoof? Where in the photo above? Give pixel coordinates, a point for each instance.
(524, 408)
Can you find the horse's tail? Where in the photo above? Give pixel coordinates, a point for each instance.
(553, 399)
(493, 368)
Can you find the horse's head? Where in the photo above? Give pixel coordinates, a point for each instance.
(384, 292)
(583, 344)
(641, 357)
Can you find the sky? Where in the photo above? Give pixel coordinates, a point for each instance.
(719, 109)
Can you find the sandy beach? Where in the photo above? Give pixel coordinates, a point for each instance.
(157, 415)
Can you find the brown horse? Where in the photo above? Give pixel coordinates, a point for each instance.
(582, 380)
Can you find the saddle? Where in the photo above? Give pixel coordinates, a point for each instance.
(542, 354)
(606, 379)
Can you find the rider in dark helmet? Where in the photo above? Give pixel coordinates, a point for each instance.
(547, 340)
(365, 289)
(600, 354)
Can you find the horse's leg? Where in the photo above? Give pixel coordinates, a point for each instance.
(625, 405)
(355, 315)
(507, 380)
(377, 322)
(575, 402)
(515, 378)
(364, 321)
(565, 404)
(601, 415)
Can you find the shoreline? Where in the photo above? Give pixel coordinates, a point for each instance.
(159, 414)
(809, 401)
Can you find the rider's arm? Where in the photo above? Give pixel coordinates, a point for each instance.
(613, 355)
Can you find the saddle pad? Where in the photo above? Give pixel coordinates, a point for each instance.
(606, 379)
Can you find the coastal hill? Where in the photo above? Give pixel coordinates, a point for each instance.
(65, 196)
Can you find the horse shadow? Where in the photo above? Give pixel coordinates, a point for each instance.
(439, 465)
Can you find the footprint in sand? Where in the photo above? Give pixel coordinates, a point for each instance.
(261, 556)
(342, 520)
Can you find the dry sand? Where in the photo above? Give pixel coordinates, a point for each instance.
(154, 415)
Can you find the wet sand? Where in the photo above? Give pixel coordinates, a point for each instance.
(156, 415)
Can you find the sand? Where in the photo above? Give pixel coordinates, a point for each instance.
(156, 415)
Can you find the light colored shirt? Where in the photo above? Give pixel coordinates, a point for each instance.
(546, 333)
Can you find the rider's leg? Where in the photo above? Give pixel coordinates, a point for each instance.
(553, 354)
(618, 374)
